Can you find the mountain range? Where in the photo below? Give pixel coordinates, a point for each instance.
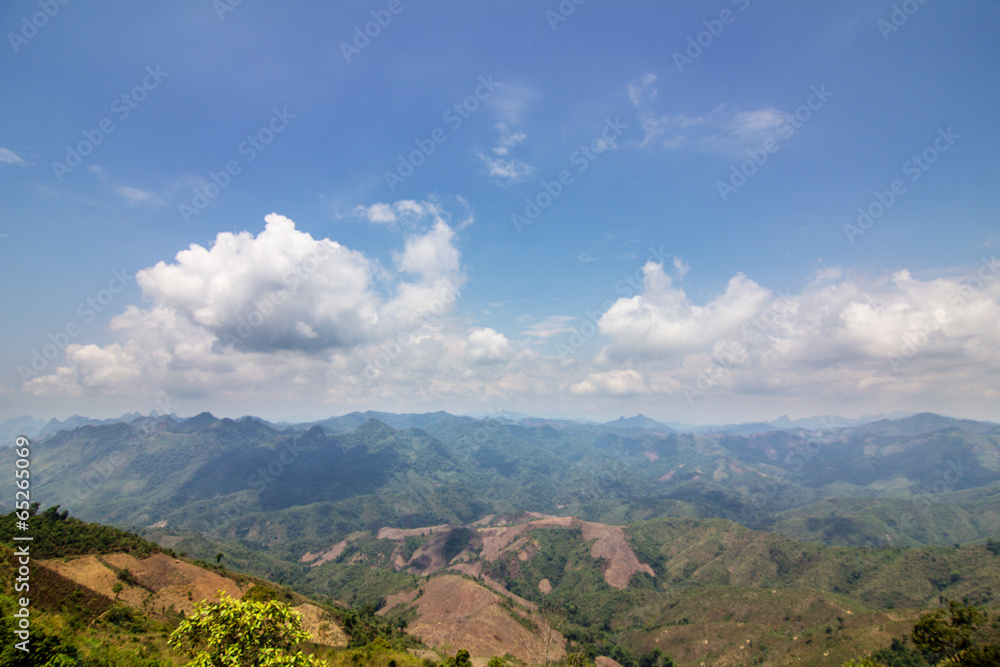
(922, 479)
(817, 540)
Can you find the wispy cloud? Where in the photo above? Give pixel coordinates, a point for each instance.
(553, 325)
(503, 167)
(7, 156)
(135, 196)
(410, 215)
(507, 171)
(507, 139)
(132, 196)
(719, 130)
(511, 102)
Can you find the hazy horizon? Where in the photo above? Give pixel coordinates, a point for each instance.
(706, 213)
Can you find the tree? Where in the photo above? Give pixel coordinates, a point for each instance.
(242, 633)
(898, 654)
(259, 594)
(940, 638)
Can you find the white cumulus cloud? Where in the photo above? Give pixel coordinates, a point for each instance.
(610, 383)
(487, 346)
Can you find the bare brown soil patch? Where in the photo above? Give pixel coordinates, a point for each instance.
(165, 585)
(54, 591)
(328, 555)
(454, 613)
(609, 545)
(323, 628)
(396, 599)
(429, 557)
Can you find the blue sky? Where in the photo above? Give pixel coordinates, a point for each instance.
(628, 207)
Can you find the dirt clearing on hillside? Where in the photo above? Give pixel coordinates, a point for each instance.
(455, 613)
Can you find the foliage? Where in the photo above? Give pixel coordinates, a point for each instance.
(656, 659)
(899, 655)
(461, 659)
(364, 627)
(52, 647)
(356, 584)
(237, 633)
(940, 638)
(56, 534)
(455, 470)
(411, 544)
(126, 618)
(259, 594)
(977, 656)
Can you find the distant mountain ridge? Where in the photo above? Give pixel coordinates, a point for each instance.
(247, 477)
(37, 428)
(640, 421)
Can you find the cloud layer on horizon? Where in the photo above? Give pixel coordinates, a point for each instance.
(291, 318)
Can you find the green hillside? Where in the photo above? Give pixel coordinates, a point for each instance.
(368, 511)
(920, 480)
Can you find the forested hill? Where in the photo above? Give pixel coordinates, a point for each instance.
(921, 479)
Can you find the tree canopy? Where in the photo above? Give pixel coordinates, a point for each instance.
(242, 633)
